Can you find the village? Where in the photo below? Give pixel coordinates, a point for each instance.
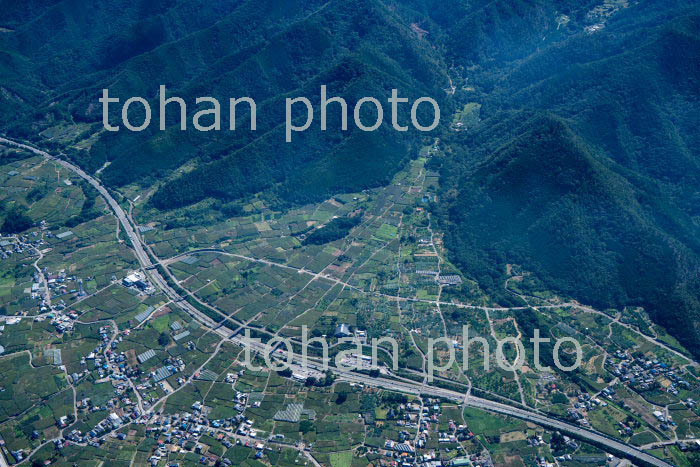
(131, 372)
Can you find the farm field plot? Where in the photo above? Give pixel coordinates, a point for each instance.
(119, 347)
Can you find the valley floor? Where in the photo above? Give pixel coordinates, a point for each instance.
(120, 341)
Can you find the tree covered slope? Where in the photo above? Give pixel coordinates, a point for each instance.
(582, 164)
(57, 61)
(585, 168)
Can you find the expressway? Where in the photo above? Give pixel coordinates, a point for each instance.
(394, 385)
(141, 255)
(497, 407)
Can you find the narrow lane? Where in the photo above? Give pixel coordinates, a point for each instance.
(393, 385)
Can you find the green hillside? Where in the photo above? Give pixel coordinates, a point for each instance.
(585, 168)
(266, 50)
(546, 199)
(580, 161)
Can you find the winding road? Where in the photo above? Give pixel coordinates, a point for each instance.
(401, 386)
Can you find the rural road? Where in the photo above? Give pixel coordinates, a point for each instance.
(400, 386)
(141, 255)
(497, 407)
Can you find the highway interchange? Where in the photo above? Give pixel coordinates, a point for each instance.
(162, 283)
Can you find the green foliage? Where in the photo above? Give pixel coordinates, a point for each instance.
(581, 163)
(164, 339)
(342, 397)
(88, 211)
(227, 49)
(336, 229)
(581, 169)
(38, 192)
(559, 398)
(546, 199)
(394, 398)
(16, 221)
(306, 426)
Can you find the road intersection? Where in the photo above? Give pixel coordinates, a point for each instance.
(151, 269)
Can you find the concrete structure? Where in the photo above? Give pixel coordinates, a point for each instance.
(394, 385)
(343, 330)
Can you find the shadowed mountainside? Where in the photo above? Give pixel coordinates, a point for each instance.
(581, 164)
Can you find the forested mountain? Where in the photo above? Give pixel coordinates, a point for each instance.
(267, 50)
(545, 198)
(583, 165)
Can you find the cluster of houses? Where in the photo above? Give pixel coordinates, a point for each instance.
(182, 432)
(178, 432)
(412, 449)
(95, 437)
(640, 374)
(645, 374)
(20, 244)
(111, 368)
(60, 284)
(586, 403)
(45, 284)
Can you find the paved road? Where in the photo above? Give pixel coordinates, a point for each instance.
(492, 406)
(400, 386)
(484, 404)
(141, 255)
